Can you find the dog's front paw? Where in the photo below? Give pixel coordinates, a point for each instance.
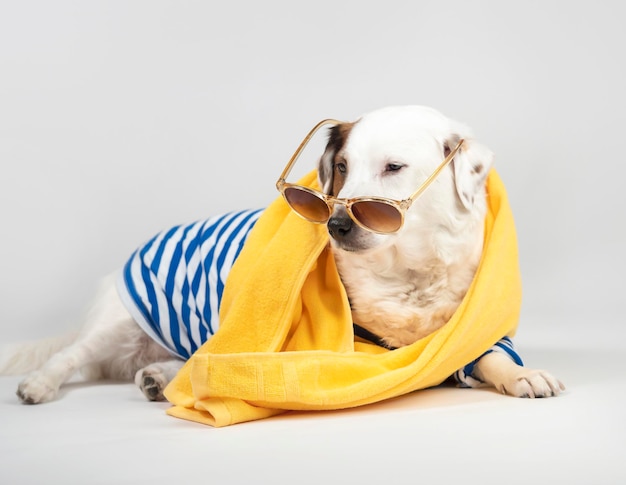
(532, 383)
(152, 381)
(36, 388)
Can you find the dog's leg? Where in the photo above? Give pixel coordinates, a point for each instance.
(153, 378)
(43, 385)
(109, 336)
(499, 371)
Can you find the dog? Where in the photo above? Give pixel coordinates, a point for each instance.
(403, 282)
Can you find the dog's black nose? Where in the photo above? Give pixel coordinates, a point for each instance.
(339, 226)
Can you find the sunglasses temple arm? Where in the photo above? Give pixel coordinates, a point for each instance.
(435, 174)
(307, 139)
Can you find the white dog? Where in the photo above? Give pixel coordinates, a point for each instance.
(405, 270)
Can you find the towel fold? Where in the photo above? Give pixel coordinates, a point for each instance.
(286, 339)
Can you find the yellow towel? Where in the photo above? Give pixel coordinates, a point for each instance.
(286, 339)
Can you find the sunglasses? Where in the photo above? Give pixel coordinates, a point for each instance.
(376, 214)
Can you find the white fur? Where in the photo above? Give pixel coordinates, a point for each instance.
(401, 286)
(110, 345)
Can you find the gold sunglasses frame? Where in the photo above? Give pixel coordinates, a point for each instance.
(400, 205)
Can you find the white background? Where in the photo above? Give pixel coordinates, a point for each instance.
(121, 118)
(118, 119)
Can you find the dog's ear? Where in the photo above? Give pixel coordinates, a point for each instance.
(337, 137)
(471, 165)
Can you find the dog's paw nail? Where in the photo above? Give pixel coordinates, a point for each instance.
(534, 384)
(153, 391)
(25, 398)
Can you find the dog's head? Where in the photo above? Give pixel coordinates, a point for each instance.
(389, 153)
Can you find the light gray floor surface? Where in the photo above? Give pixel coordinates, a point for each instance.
(108, 434)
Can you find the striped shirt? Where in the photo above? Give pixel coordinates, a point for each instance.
(173, 284)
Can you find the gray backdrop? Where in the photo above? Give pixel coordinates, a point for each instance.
(120, 118)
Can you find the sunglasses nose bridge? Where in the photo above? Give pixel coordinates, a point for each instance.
(331, 202)
(345, 207)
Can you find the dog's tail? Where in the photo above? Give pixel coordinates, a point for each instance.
(23, 357)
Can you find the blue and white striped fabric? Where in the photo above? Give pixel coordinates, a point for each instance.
(465, 377)
(173, 285)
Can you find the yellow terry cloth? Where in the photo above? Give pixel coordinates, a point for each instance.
(286, 339)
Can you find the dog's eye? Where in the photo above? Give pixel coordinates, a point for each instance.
(393, 167)
(341, 167)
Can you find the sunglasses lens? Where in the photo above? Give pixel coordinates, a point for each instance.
(308, 205)
(377, 216)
